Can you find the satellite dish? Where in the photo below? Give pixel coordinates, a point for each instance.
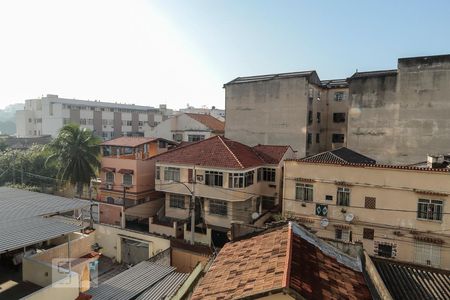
(255, 215)
(324, 222)
(349, 217)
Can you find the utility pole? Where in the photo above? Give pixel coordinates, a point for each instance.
(21, 170)
(194, 179)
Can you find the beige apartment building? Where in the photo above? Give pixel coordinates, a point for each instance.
(296, 109)
(402, 213)
(230, 181)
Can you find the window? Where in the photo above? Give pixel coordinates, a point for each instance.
(343, 235)
(338, 138)
(309, 138)
(177, 137)
(171, 173)
(127, 179)
(318, 117)
(109, 177)
(338, 96)
(370, 202)
(240, 180)
(328, 197)
(162, 144)
(385, 250)
(213, 178)
(195, 137)
(317, 138)
(266, 174)
(429, 209)
(158, 173)
(427, 254)
(304, 192)
(218, 207)
(339, 117)
(368, 233)
(140, 123)
(249, 178)
(176, 201)
(343, 196)
(82, 121)
(29, 120)
(310, 117)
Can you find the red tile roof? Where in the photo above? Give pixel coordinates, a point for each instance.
(246, 268)
(285, 259)
(209, 121)
(218, 152)
(128, 141)
(272, 154)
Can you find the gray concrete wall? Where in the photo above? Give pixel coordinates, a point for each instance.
(75, 116)
(98, 129)
(399, 119)
(117, 124)
(268, 112)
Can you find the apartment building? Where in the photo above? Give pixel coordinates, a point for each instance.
(397, 212)
(46, 115)
(213, 111)
(230, 182)
(127, 171)
(187, 127)
(296, 109)
(401, 115)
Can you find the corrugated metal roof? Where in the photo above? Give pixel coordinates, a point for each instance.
(16, 234)
(21, 204)
(409, 281)
(165, 288)
(131, 282)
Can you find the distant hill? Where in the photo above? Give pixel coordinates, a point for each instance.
(8, 118)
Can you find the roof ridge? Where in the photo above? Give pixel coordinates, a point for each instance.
(228, 148)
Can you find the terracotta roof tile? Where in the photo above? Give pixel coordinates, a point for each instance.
(281, 259)
(216, 151)
(272, 154)
(209, 121)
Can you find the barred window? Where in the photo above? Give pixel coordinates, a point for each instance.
(368, 233)
(109, 177)
(343, 196)
(127, 179)
(172, 173)
(343, 235)
(218, 207)
(304, 192)
(176, 201)
(370, 202)
(430, 209)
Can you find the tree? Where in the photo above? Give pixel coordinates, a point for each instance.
(77, 154)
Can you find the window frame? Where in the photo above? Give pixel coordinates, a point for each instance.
(429, 212)
(177, 201)
(335, 140)
(127, 176)
(218, 207)
(106, 177)
(196, 137)
(304, 192)
(172, 174)
(341, 191)
(339, 117)
(214, 178)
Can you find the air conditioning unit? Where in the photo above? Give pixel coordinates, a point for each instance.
(109, 186)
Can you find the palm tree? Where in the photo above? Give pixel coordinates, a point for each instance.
(76, 151)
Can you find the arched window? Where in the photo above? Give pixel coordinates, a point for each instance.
(110, 200)
(127, 179)
(109, 177)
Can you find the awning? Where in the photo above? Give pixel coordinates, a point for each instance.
(16, 234)
(106, 169)
(126, 171)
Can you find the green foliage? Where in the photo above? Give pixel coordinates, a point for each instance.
(31, 188)
(27, 164)
(3, 145)
(76, 153)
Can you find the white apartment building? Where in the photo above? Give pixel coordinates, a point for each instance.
(45, 116)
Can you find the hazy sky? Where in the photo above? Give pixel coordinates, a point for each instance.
(179, 52)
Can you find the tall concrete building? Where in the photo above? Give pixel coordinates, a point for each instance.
(400, 116)
(296, 109)
(395, 116)
(45, 116)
